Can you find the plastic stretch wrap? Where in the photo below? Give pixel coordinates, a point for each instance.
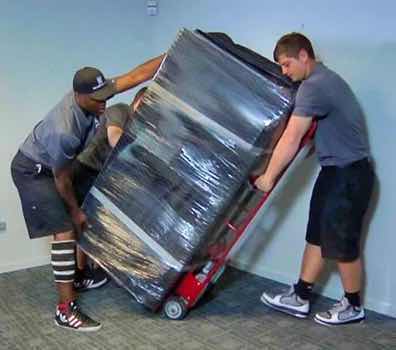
(206, 120)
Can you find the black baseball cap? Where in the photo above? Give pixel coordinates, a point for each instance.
(91, 81)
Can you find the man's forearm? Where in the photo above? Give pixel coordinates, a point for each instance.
(64, 186)
(138, 75)
(284, 151)
(283, 154)
(114, 133)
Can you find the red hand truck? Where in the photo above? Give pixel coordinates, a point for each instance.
(194, 283)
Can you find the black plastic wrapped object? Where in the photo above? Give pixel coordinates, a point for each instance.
(206, 120)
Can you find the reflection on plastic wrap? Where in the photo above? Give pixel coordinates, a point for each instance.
(205, 123)
(110, 242)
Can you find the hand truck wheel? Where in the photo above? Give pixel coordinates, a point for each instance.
(175, 308)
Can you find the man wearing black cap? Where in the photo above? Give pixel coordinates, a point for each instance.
(42, 172)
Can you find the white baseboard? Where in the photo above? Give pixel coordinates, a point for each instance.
(379, 306)
(39, 261)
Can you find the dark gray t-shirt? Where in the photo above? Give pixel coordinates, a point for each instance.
(341, 136)
(97, 151)
(57, 139)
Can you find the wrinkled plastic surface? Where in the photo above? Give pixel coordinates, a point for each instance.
(206, 121)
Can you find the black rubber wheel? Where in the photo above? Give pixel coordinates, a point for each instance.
(175, 308)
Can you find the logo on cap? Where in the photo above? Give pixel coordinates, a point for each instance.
(99, 80)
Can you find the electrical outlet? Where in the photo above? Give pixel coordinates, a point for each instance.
(3, 225)
(152, 7)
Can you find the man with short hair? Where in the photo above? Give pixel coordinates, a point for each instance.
(342, 190)
(87, 167)
(42, 173)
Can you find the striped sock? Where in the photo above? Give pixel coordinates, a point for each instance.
(63, 260)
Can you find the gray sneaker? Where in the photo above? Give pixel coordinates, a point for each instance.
(341, 313)
(289, 303)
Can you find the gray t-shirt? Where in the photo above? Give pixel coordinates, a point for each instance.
(97, 151)
(341, 136)
(57, 139)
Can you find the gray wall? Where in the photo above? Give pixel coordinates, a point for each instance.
(43, 43)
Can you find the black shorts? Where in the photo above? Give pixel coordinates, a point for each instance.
(339, 201)
(43, 208)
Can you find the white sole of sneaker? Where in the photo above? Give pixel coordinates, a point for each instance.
(91, 329)
(284, 310)
(99, 284)
(328, 324)
(93, 286)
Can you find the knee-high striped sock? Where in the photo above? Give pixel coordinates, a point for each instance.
(63, 260)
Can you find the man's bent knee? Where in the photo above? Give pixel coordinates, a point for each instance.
(63, 236)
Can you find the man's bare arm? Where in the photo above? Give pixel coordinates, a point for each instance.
(113, 134)
(284, 151)
(138, 75)
(64, 185)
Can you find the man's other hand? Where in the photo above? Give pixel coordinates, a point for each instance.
(263, 183)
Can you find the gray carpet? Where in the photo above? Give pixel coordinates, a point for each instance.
(230, 317)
